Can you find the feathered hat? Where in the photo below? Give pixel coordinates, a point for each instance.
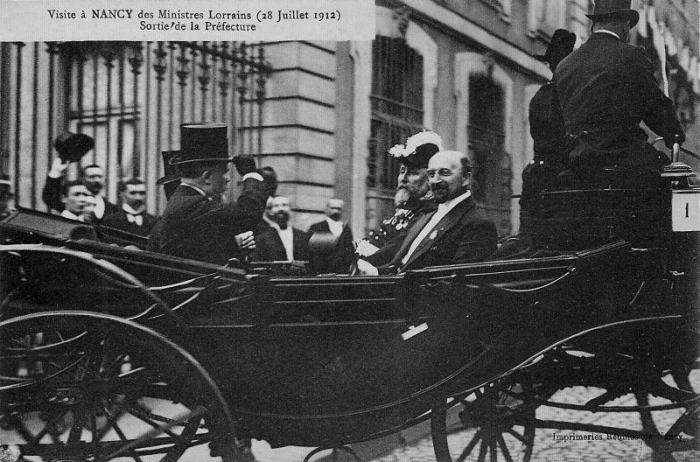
(418, 150)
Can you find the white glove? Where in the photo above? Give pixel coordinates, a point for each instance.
(58, 168)
(365, 268)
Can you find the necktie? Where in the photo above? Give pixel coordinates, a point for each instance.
(136, 219)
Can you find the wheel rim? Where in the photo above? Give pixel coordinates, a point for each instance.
(102, 395)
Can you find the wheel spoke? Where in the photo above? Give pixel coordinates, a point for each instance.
(51, 425)
(493, 450)
(470, 447)
(482, 450)
(186, 436)
(504, 448)
(517, 435)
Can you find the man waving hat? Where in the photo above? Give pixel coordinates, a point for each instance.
(197, 224)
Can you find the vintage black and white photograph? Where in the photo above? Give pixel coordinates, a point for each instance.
(475, 237)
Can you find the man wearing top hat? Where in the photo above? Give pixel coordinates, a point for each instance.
(547, 124)
(605, 89)
(196, 223)
(71, 147)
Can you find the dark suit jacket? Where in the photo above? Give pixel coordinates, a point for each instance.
(389, 248)
(269, 247)
(464, 235)
(201, 228)
(51, 195)
(547, 126)
(341, 258)
(607, 87)
(119, 220)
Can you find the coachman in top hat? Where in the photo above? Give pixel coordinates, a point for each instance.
(197, 224)
(605, 89)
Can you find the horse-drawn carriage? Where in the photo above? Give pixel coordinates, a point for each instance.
(110, 352)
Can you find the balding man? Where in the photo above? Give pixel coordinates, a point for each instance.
(457, 232)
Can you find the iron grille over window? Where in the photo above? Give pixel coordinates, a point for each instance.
(397, 106)
(130, 97)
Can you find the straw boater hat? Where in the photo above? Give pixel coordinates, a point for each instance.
(71, 147)
(202, 142)
(617, 8)
(418, 150)
(559, 48)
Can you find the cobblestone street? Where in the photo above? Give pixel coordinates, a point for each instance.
(550, 445)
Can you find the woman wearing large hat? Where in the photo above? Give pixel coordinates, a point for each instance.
(197, 224)
(413, 198)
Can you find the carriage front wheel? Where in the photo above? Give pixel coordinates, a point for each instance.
(83, 386)
(487, 425)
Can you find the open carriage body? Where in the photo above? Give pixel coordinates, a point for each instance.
(90, 328)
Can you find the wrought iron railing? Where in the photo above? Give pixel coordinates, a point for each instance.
(130, 96)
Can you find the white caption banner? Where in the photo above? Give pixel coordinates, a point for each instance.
(138, 20)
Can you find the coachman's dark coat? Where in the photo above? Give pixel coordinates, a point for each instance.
(606, 88)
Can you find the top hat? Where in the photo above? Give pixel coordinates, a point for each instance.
(418, 150)
(171, 171)
(560, 46)
(202, 142)
(71, 147)
(616, 7)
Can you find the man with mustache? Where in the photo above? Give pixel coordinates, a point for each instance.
(413, 198)
(280, 241)
(132, 217)
(457, 232)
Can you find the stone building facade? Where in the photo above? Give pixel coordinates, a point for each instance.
(324, 114)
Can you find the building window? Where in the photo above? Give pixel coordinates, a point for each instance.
(491, 177)
(397, 107)
(502, 6)
(546, 16)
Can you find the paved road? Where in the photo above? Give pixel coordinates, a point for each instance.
(549, 446)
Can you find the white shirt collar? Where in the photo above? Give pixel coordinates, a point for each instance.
(196, 188)
(287, 238)
(605, 31)
(70, 215)
(452, 203)
(130, 210)
(336, 227)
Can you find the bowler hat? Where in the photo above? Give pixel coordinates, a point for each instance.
(560, 46)
(202, 142)
(72, 146)
(615, 7)
(171, 171)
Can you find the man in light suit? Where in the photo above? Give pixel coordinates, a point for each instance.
(280, 241)
(457, 232)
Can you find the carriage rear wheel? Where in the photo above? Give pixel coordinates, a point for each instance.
(490, 426)
(84, 387)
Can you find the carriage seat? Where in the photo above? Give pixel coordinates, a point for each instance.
(580, 219)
